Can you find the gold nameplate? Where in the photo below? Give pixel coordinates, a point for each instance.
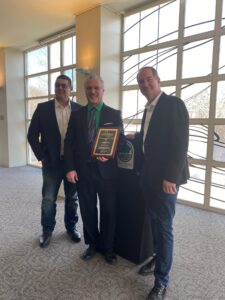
(106, 141)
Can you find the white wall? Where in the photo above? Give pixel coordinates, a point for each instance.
(12, 110)
(3, 114)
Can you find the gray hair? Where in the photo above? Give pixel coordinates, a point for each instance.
(91, 76)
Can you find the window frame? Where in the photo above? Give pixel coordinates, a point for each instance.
(31, 160)
(209, 164)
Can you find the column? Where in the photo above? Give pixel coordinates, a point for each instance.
(98, 49)
(12, 109)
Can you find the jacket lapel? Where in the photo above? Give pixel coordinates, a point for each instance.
(156, 115)
(52, 116)
(84, 122)
(102, 116)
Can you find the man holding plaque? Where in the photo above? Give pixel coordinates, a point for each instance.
(90, 146)
(163, 140)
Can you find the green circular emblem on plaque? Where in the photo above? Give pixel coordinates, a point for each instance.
(127, 153)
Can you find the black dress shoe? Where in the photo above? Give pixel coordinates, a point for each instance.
(111, 258)
(157, 293)
(89, 253)
(74, 235)
(148, 268)
(45, 239)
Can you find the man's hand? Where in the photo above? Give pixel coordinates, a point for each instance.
(43, 162)
(169, 187)
(72, 176)
(102, 158)
(130, 136)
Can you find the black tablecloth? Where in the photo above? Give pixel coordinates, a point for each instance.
(133, 233)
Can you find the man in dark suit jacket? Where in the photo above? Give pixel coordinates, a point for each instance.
(46, 137)
(94, 177)
(164, 141)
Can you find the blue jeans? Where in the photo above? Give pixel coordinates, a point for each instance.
(52, 178)
(161, 208)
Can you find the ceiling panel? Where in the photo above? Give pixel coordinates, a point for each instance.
(24, 22)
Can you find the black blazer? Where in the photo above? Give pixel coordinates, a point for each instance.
(166, 143)
(76, 142)
(44, 135)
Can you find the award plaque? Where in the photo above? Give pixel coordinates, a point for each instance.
(106, 141)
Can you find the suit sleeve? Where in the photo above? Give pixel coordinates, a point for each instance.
(178, 141)
(122, 139)
(33, 135)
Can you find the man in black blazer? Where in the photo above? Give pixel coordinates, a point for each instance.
(164, 141)
(94, 177)
(46, 137)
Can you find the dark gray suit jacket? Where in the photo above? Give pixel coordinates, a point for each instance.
(166, 143)
(43, 133)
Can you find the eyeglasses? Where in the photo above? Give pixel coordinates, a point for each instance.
(63, 85)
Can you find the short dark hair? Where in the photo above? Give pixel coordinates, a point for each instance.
(65, 77)
(154, 71)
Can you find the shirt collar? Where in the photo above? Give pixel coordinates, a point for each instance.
(58, 105)
(154, 102)
(98, 107)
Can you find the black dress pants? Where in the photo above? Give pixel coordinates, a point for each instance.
(98, 224)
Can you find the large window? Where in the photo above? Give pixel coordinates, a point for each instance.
(185, 41)
(42, 65)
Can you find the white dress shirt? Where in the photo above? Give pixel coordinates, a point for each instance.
(62, 116)
(150, 108)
